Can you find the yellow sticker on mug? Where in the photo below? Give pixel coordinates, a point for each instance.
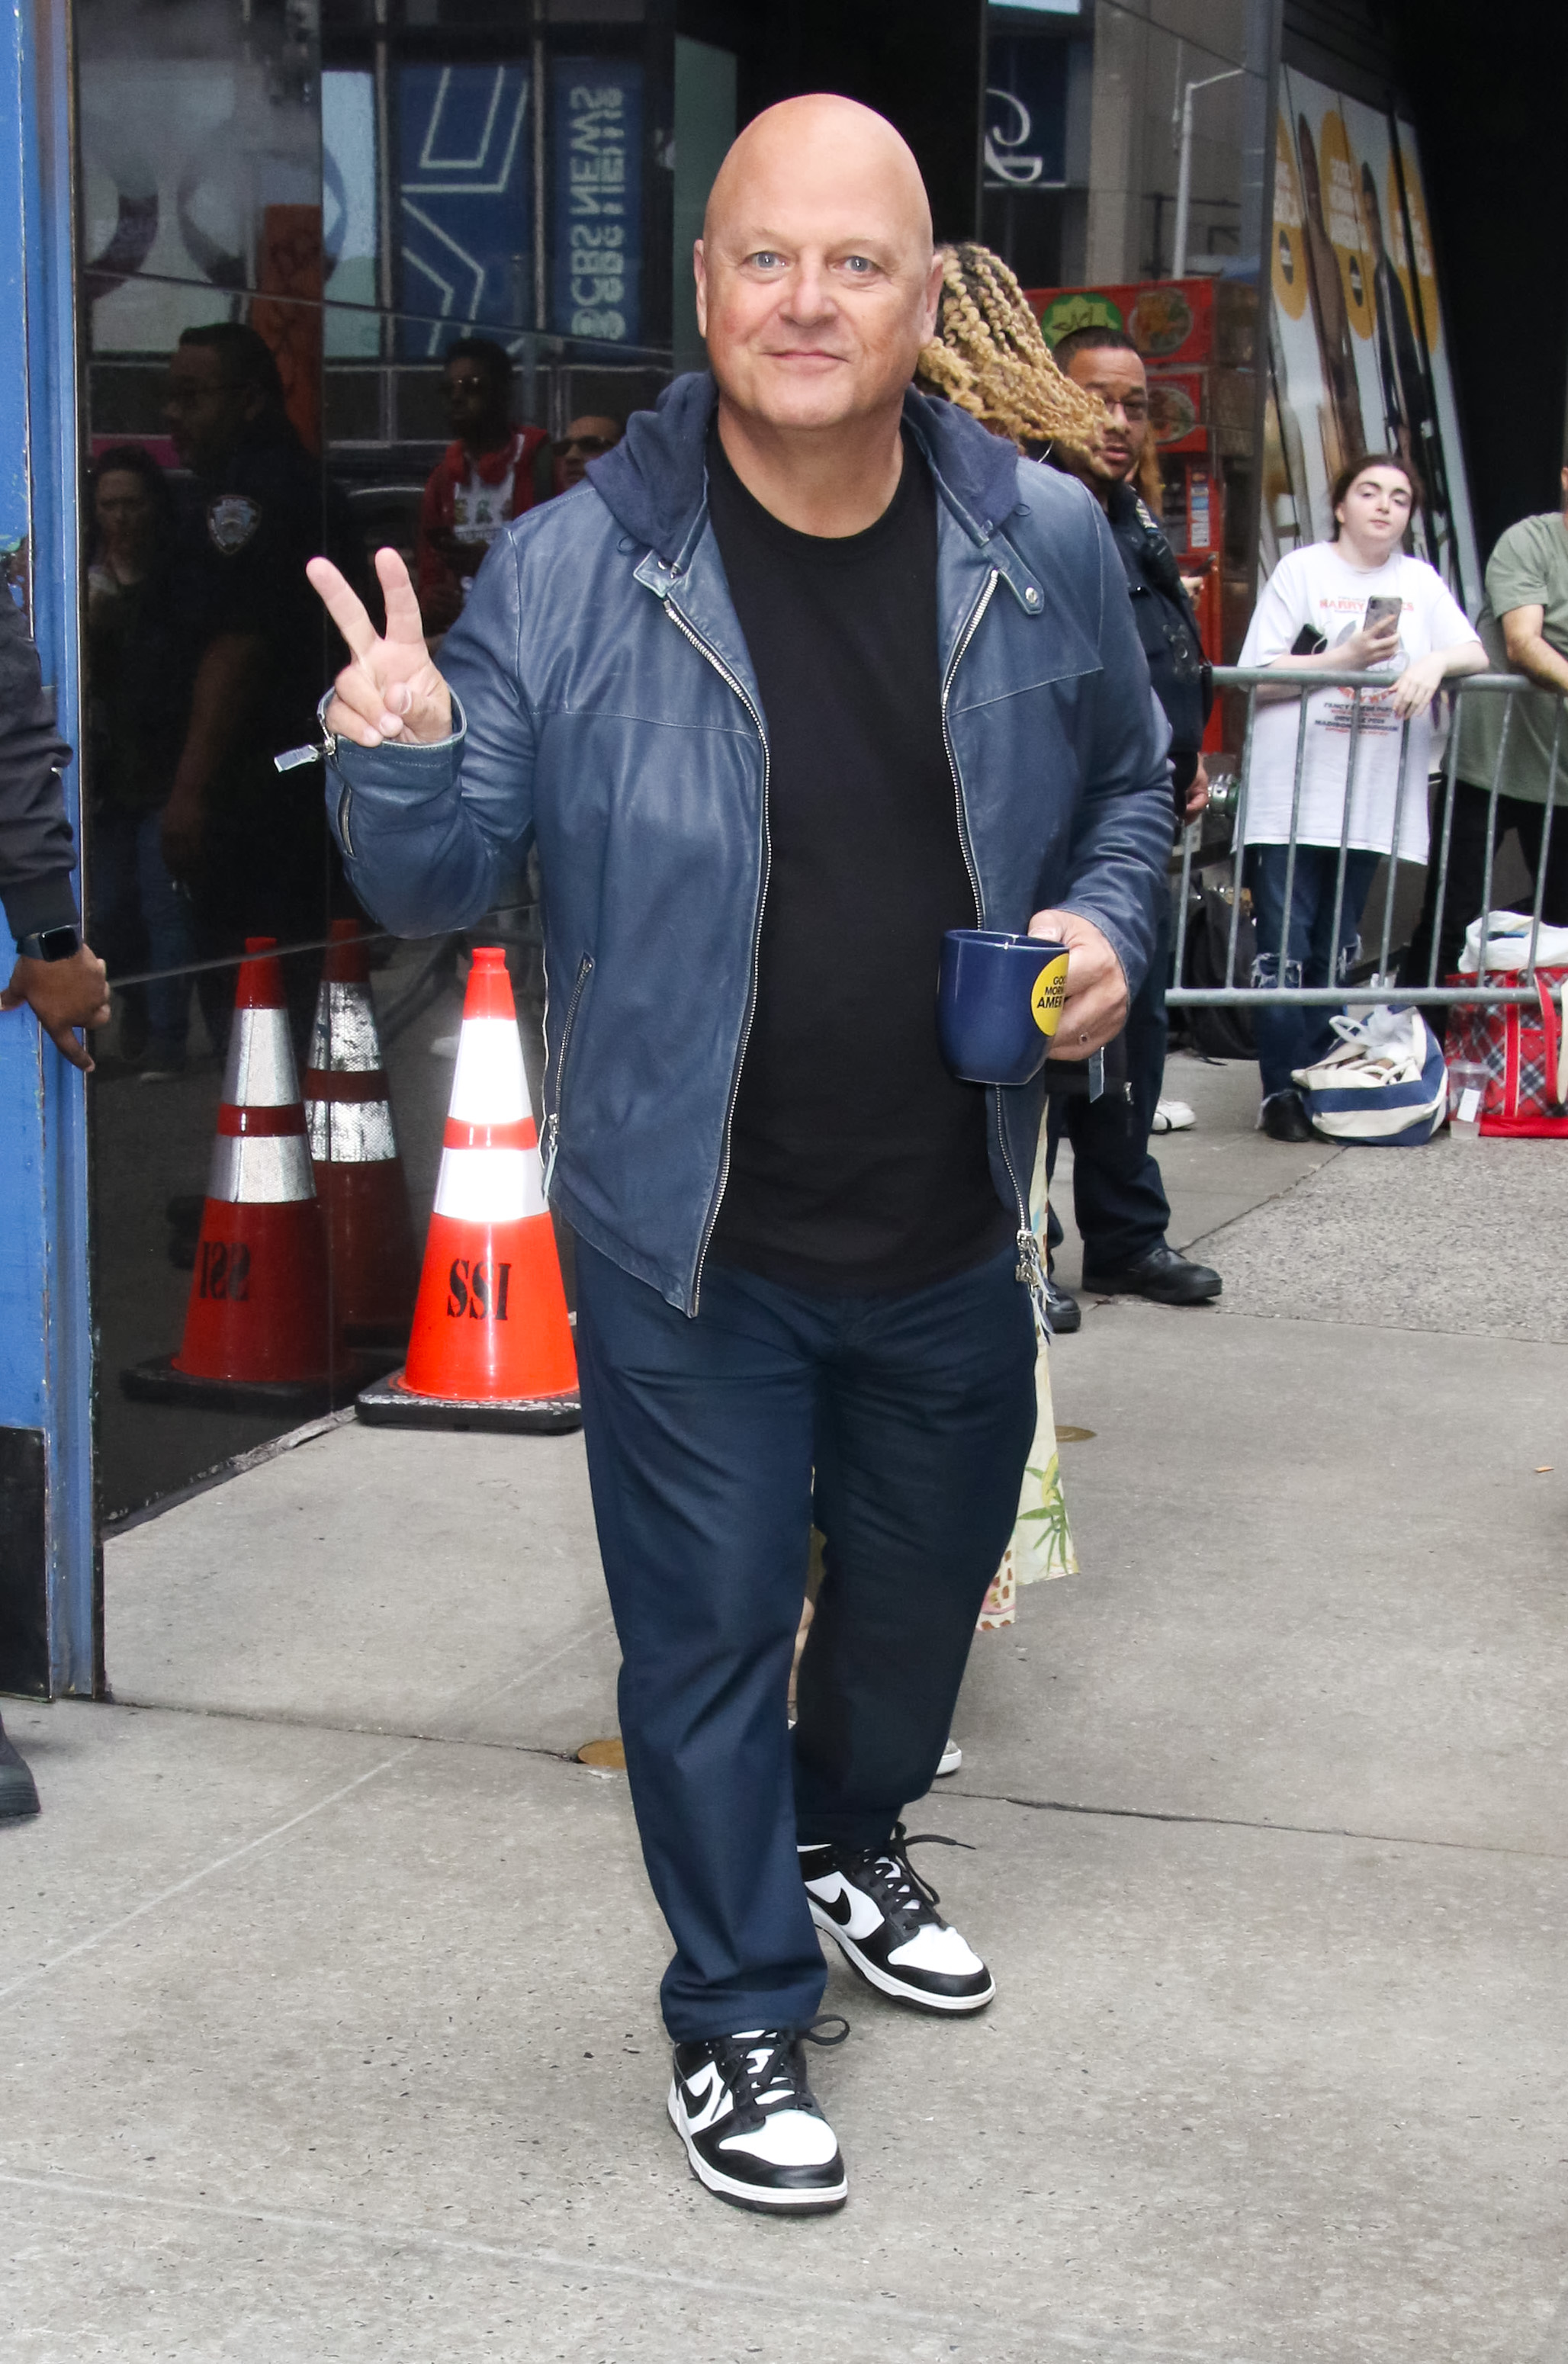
(1051, 986)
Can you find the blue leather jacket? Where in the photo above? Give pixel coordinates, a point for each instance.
(607, 707)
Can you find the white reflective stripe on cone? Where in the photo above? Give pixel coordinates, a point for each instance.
(261, 1170)
(350, 1132)
(490, 1185)
(344, 1038)
(260, 1073)
(489, 1087)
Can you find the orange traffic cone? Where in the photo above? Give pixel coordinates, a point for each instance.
(258, 1326)
(491, 1346)
(353, 1153)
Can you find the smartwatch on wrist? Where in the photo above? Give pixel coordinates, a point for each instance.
(50, 944)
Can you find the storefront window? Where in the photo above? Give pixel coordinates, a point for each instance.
(282, 235)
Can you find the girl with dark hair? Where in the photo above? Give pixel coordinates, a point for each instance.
(138, 682)
(1356, 603)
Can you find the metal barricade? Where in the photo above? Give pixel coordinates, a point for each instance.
(1252, 679)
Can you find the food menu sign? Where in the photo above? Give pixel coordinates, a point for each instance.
(1170, 323)
(1358, 356)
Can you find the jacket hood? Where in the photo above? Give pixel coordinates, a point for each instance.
(655, 481)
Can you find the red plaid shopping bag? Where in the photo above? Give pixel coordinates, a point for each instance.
(1525, 1051)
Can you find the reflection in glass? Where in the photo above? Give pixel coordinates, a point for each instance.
(349, 213)
(139, 676)
(252, 398)
(464, 199)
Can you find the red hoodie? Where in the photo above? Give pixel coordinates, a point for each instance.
(457, 481)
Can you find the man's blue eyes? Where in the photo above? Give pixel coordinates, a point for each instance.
(859, 264)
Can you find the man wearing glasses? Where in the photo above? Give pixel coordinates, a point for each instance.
(492, 471)
(246, 842)
(586, 438)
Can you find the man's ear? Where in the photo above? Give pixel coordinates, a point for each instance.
(933, 299)
(700, 272)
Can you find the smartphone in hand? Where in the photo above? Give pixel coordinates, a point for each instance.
(1381, 609)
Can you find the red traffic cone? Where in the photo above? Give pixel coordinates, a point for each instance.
(491, 1344)
(353, 1155)
(258, 1325)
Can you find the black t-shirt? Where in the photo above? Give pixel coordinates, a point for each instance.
(856, 1162)
(248, 534)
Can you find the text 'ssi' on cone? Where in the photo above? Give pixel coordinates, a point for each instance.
(491, 1344)
(258, 1325)
(353, 1153)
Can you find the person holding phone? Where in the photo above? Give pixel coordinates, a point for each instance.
(1356, 603)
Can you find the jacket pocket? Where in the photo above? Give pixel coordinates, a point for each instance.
(552, 1129)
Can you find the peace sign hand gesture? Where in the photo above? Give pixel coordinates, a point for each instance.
(391, 690)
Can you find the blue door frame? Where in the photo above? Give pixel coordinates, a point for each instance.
(46, 1337)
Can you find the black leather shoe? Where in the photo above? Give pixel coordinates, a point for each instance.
(1064, 1309)
(18, 1795)
(1163, 1275)
(1283, 1117)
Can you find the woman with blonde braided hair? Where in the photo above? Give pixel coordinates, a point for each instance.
(990, 358)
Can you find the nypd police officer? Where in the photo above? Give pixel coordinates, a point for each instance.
(248, 844)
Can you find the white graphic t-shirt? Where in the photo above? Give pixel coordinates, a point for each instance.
(1319, 588)
(479, 511)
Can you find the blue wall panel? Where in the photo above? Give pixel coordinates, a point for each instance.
(45, 1315)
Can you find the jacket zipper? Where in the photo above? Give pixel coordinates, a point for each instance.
(1030, 1272)
(705, 648)
(552, 1127)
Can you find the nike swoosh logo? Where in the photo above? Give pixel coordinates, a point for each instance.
(839, 1908)
(696, 2098)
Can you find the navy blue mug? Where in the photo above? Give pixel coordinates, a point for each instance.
(998, 1001)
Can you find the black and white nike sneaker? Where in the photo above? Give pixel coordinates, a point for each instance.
(750, 2121)
(883, 1916)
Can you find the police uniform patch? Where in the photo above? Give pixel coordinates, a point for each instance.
(231, 520)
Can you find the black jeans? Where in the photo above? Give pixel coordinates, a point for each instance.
(1467, 878)
(916, 1413)
(1118, 1197)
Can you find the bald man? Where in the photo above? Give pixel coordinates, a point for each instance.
(817, 672)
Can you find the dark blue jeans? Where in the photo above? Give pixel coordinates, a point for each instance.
(138, 918)
(1286, 1038)
(916, 1413)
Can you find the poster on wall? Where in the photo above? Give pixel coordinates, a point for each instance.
(1357, 354)
(464, 203)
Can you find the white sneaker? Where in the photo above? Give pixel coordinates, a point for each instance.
(1172, 1116)
(883, 1918)
(952, 1759)
(750, 2123)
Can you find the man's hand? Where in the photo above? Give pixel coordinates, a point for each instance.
(63, 994)
(1095, 1007)
(391, 690)
(1197, 793)
(181, 826)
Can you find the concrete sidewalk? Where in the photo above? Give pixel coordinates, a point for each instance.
(327, 2024)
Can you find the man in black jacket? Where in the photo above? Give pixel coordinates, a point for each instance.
(61, 981)
(1118, 1197)
(56, 975)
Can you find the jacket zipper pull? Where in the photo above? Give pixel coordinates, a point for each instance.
(552, 1142)
(1031, 1274)
(293, 759)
